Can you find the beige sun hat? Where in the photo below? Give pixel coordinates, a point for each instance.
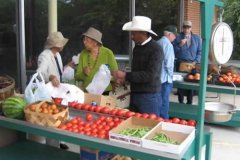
(55, 39)
(139, 23)
(94, 34)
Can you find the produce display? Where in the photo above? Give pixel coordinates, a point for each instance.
(196, 77)
(135, 132)
(45, 107)
(162, 137)
(92, 125)
(46, 113)
(228, 78)
(13, 107)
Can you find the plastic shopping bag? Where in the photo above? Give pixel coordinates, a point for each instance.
(100, 80)
(67, 92)
(68, 74)
(36, 89)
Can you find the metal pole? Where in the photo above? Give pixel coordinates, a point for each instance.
(52, 16)
(21, 57)
(131, 15)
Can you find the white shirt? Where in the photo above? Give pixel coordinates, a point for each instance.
(47, 64)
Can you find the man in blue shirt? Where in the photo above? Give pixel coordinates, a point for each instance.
(167, 68)
(188, 48)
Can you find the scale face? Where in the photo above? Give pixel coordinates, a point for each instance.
(222, 42)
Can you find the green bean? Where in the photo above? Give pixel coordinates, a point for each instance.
(162, 137)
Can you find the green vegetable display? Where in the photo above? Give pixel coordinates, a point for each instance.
(135, 132)
(162, 137)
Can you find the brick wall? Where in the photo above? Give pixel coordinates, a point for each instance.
(192, 13)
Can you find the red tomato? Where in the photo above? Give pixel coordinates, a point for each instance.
(115, 119)
(91, 108)
(152, 116)
(113, 112)
(105, 110)
(160, 119)
(85, 107)
(101, 132)
(121, 112)
(97, 109)
(191, 123)
(78, 106)
(129, 114)
(57, 100)
(145, 115)
(74, 121)
(102, 118)
(138, 115)
(109, 119)
(175, 120)
(111, 124)
(75, 130)
(89, 117)
(72, 104)
(69, 124)
(183, 122)
(62, 126)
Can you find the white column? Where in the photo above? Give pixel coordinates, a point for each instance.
(52, 16)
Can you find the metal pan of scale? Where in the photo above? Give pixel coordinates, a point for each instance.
(218, 111)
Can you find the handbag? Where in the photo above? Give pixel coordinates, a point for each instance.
(186, 67)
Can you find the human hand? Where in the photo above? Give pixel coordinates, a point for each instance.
(183, 42)
(87, 70)
(119, 76)
(54, 80)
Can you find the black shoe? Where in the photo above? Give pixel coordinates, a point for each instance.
(64, 146)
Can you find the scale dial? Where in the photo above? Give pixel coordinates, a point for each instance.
(222, 42)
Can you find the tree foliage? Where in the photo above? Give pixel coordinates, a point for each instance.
(232, 17)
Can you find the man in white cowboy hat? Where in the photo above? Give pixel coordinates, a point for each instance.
(49, 61)
(147, 60)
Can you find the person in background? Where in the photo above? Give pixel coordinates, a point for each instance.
(169, 35)
(188, 48)
(92, 57)
(49, 61)
(51, 67)
(144, 78)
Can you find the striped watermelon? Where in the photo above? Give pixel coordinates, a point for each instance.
(13, 107)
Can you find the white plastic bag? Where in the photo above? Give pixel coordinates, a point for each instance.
(100, 80)
(36, 89)
(68, 74)
(67, 92)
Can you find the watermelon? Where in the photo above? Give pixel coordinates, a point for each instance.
(13, 107)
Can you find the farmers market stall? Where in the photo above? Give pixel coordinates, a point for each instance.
(194, 148)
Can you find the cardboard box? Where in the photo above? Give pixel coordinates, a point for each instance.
(132, 122)
(94, 154)
(101, 100)
(181, 133)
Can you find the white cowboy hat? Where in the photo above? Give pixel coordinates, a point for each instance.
(139, 23)
(55, 39)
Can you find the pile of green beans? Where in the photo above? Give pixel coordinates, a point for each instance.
(162, 137)
(135, 132)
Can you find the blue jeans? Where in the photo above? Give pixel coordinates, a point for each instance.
(166, 89)
(145, 102)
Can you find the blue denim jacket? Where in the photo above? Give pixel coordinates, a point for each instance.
(190, 53)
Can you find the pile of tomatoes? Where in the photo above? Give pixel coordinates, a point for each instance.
(91, 126)
(229, 78)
